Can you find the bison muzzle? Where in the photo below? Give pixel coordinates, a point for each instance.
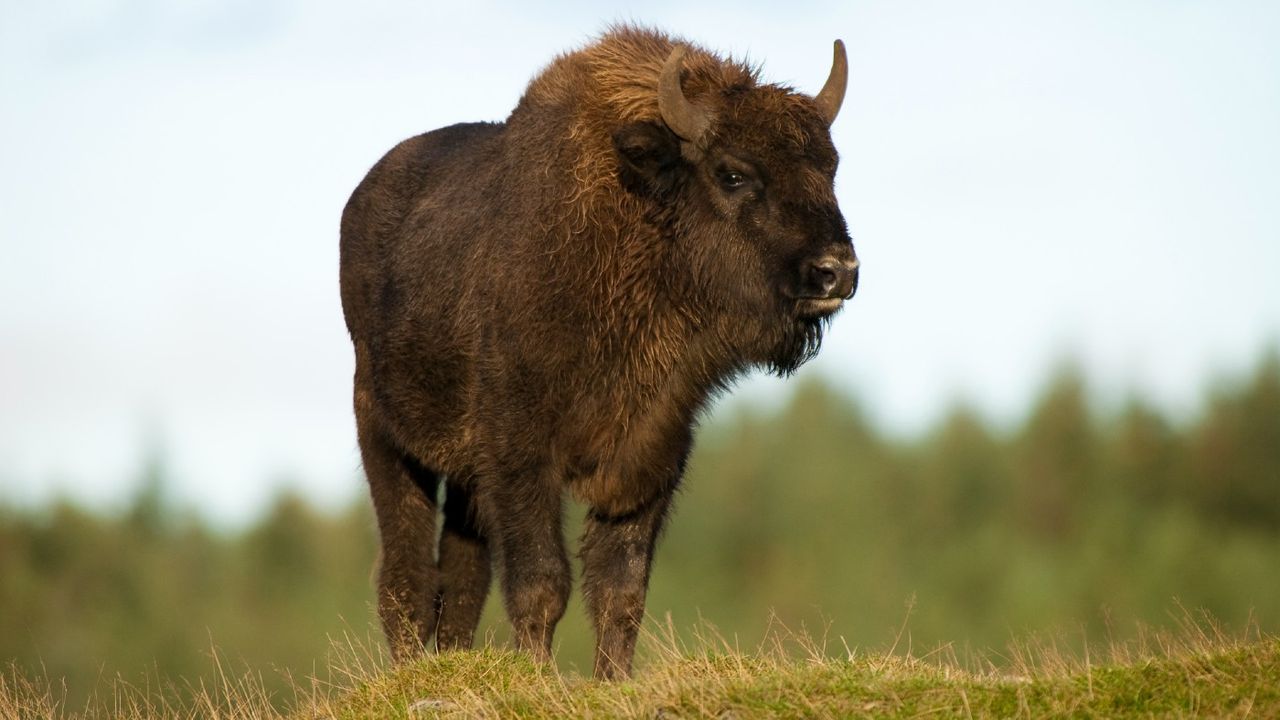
(547, 303)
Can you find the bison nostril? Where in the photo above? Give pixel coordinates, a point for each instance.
(823, 276)
(832, 278)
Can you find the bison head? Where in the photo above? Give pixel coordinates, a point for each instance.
(743, 180)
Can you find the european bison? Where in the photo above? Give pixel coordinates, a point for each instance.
(545, 304)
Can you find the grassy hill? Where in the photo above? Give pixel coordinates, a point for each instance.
(1196, 671)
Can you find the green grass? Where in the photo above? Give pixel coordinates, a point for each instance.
(1197, 671)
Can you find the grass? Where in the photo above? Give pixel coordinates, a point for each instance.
(1197, 670)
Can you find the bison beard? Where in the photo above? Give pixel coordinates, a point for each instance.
(799, 345)
(546, 304)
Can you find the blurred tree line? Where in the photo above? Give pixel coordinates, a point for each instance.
(1076, 520)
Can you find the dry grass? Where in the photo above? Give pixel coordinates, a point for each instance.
(1195, 670)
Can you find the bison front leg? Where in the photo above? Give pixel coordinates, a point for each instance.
(535, 567)
(617, 552)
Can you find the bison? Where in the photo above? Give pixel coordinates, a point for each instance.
(546, 304)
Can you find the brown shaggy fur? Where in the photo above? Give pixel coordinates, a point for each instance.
(547, 303)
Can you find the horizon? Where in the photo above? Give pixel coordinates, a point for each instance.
(153, 478)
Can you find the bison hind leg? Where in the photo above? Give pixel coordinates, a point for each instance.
(408, 579)
(465, 570)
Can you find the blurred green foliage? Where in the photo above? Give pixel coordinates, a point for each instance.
(1085, 522)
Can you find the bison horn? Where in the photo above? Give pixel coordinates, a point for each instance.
(683, 117)
(831, 96)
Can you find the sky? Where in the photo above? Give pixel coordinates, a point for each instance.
(1025, 182)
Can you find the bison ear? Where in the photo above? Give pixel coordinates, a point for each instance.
(649, 157)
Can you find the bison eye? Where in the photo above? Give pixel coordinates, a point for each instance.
(732, 180)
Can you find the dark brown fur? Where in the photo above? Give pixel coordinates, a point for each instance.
(547, 303)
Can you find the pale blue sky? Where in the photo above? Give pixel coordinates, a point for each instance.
(1023, 180)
